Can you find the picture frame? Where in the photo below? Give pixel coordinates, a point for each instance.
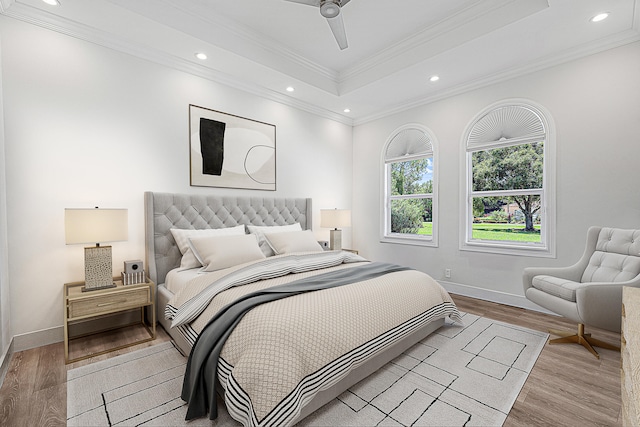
(231, 151)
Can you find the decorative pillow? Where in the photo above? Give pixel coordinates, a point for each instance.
(261, 230)
(181, 236)
(218, 252)
(294, 241)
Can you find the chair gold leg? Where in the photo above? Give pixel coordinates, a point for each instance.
(581, 338)
(573, 339)
(560, 333)
(586, 344)
(597, 343)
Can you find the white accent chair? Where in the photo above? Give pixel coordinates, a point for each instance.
(590, 291)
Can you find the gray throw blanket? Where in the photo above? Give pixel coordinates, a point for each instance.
(198, 388)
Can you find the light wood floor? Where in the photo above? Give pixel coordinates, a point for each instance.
(567, 387)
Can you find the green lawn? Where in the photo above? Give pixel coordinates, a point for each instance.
(427, 229)
(505, 232)
(500, 232)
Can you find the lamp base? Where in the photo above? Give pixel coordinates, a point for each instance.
(98, 268)
(335, 240)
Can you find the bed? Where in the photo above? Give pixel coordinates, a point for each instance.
(331, 336)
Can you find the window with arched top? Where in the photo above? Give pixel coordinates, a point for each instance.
(410, 187)
(509, 163)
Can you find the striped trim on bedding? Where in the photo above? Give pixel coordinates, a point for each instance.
(188, 334)
(269, 268)
(239, 403)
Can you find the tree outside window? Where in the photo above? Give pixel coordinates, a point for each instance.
(409, 187)
(519, 167)
(411, 197)
(507, 180)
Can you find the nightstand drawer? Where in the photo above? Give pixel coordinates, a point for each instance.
(108, 302)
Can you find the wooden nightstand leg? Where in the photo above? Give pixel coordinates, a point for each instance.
(66, 334)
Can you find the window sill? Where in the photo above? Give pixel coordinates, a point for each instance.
(406, 240)
(537, 251)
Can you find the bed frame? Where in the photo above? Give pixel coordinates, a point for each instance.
(164, 211)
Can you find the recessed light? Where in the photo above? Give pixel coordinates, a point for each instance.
(434, 78)
(290, 89)
(347, 110)
(52, 2)
(600, 17)
(201, 56)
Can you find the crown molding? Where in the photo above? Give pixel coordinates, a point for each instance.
(433, 40)
(5, 4)
(265, 43)
(587, 49)
(51, 22)
(230, 81)
(253, 44)
(425, 36)
(478, 19)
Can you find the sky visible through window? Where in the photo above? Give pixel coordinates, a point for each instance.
(428, 175)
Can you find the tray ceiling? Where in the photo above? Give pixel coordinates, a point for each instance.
(265, 46)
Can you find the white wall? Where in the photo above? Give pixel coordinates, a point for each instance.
(88, 126)
(595, 105)
(5, 296)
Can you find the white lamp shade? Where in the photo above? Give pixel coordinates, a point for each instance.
(335, 218)
(95, 225)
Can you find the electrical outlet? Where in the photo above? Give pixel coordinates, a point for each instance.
(447, 273)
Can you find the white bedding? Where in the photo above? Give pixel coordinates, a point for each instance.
(177, 278)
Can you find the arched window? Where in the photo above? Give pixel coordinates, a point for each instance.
(410, 187)
(509, 163)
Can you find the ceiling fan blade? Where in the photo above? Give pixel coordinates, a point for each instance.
(309, 2)
(337, 28)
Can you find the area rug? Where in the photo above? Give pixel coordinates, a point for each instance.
(458, 376)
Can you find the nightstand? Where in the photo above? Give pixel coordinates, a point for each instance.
(82, 306)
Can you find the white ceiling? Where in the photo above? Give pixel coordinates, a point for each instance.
(263, 46)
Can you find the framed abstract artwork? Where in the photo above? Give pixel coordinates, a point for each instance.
(231, 151)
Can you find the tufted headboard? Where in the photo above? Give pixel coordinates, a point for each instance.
(164, 211)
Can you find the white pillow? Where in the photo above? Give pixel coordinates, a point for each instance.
(295, 241)
(261, 230)
(218, 252)
(181, 236)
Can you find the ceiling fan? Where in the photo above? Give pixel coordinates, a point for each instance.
(330, 9)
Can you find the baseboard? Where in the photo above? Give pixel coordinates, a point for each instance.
(493, 296)
(6, 360)
(55, 335)
(35, 339)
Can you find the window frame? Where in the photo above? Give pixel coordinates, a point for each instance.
(386, 236)
(547, 246)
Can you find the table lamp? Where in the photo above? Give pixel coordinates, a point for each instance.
(335, 218)
(96, 226)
